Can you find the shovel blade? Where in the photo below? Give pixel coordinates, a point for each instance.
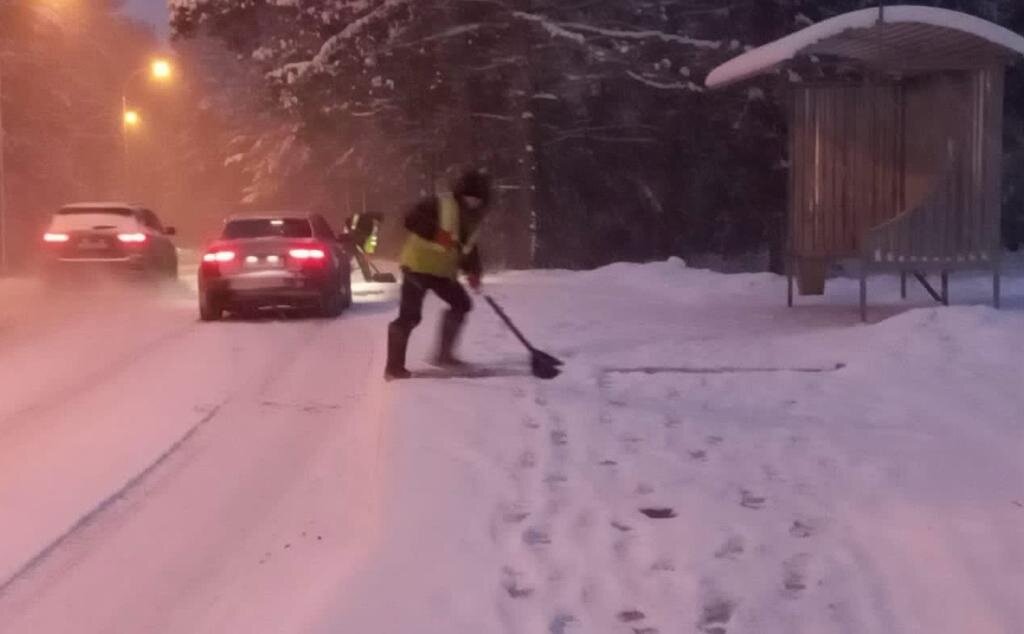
(544, 365)
(385, 278)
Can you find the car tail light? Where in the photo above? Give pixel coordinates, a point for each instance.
(219, 256)
(56, 237)
(307, 254)
(132, 238)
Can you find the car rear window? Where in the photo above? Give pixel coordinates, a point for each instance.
(268, 228)
(89, 219)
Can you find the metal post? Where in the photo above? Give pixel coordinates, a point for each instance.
(124, 142)
(789, 289)
(945, 288)
(996, 290)
(903, 284)
(863, 292)
(3, 183)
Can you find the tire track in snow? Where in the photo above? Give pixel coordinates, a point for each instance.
(283, 357)
(114, 368)
(247, 529)
(86, 519)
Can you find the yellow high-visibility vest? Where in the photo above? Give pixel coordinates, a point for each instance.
(420, 255)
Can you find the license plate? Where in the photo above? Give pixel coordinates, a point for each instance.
(264, 262)
(259, 283)
(93, 245)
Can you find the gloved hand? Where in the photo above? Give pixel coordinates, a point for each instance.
(444, 239)
(474, 282)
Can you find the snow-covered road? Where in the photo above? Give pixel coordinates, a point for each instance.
(710, 462)
(162, 475)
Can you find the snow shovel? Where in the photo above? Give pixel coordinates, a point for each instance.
(370, 272)
(543, 365)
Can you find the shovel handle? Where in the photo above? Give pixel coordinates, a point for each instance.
(508, 322)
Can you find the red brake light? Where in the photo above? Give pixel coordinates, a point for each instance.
(56, 237)
(135, 238)
(219, 256)
(307, 254)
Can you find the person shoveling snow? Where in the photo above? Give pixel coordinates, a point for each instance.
(443, 232)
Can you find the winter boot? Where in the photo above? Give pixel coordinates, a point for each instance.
(451, 327)
(398, 341)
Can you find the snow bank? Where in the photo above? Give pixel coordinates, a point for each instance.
(712, 461)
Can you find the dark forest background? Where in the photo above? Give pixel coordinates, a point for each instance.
(591, 115)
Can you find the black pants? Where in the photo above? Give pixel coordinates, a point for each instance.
(414, 291)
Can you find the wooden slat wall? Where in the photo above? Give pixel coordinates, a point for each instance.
(993, 81)
(846, 156)
(952, 173)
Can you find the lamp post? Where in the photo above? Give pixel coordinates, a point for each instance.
(161, 70)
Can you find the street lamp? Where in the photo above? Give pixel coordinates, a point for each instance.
(160, 70)
(132, 118)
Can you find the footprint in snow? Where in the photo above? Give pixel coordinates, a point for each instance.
(535, 536)
(751, 501)
(621, 547)
(634, 616)
(663, 565)
(631, 616)
(630, 439)
(556, 478)
(659, 513)
(802, 529)
(644, 489)
(607, 463)
(561, 623)
(511, 582)
(794, 574)
(700, 455)
(559, 438)
(714, 440)
(715, 615)
(514, 515)
(527, 460)
(731, 549)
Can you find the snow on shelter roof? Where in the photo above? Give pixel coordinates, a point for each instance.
(103, 205)
(905, 38)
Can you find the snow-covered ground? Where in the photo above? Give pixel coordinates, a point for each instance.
(711, 461)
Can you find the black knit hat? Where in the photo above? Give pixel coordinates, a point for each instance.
(475, 183)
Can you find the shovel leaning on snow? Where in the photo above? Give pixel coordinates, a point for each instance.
(543, 365)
